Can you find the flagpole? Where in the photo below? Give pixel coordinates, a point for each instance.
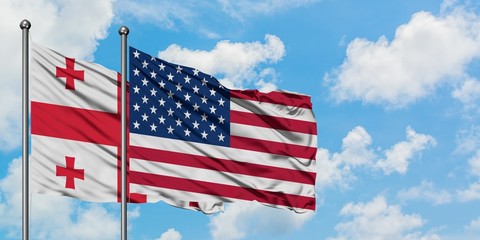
(25, 26)
(123, 31)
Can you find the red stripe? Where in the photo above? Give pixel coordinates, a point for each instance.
(279, 123)
(222, 190)
(283, 98)
(265, 146)
(223, 165)
(75, 124)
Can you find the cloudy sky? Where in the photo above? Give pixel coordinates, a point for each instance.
(395, 87)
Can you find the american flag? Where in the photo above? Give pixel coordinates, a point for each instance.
(192, 139)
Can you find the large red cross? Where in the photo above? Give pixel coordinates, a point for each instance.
(70, 172)
(70, 73)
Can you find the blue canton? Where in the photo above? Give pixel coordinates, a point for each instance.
(173, 101)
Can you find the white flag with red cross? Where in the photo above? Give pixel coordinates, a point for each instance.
(75, 127)
(75, 119)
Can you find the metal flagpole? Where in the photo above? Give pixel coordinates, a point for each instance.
(123, 31)
(25, 26)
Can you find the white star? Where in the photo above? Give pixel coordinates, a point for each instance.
(212, 127)
(170, 130)
(221, 119)
(170, 94)
(145, 99)
(153, 127)
(204, 81)
(187, 132)
(195, 72)
(161, 119)
(196, 89)
(170, 77)
(204, 99)
(162, 67)
(144, 117)
(187, 79)
(152, 58)
(153, 74)
(179, 104)
(144, 82)
(170, 112)
(179, 122)
(179, 87)
(187, 115)
(136, 54)
(221, 102)
(196, 107)
(153, 92)
(221, 137)
(136, 125)
(196, 124)
(136, 89)
(179, 69)
(136, 107)
(212, 109)
(136, 72)
(153, 110)
(204, 135)
(204, 117)
(161, 102)
(144, 64)
(161, 84)
(187, 97)
(212, 92)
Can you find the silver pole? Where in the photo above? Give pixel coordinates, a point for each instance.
(25, 26)
(123, 31)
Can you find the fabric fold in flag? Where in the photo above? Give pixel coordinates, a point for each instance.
(194, 140)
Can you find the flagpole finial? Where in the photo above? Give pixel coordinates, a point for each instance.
(123, 30)
(25, 24)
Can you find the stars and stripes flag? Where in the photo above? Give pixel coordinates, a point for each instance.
(194, 140)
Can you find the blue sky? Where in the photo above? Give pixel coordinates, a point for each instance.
(395, 89)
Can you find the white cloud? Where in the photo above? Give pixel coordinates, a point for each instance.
(243, 219)
(71, 27)
(425, 191)
(170, 234)
(468, 140)
(398, 157)
(377, 220)
(474, 163)
(411, 66)
(52, 217)
(473, 226)
(357, 152)
(243, 69)
(470, 194)
(468, 93)
(164, 13)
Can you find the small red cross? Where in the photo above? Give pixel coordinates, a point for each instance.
(70, 73)
(70, 172)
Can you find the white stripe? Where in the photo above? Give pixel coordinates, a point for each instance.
(226, 153)
(271, 109)
(227, 178)
(274, 135)
(155, 194)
